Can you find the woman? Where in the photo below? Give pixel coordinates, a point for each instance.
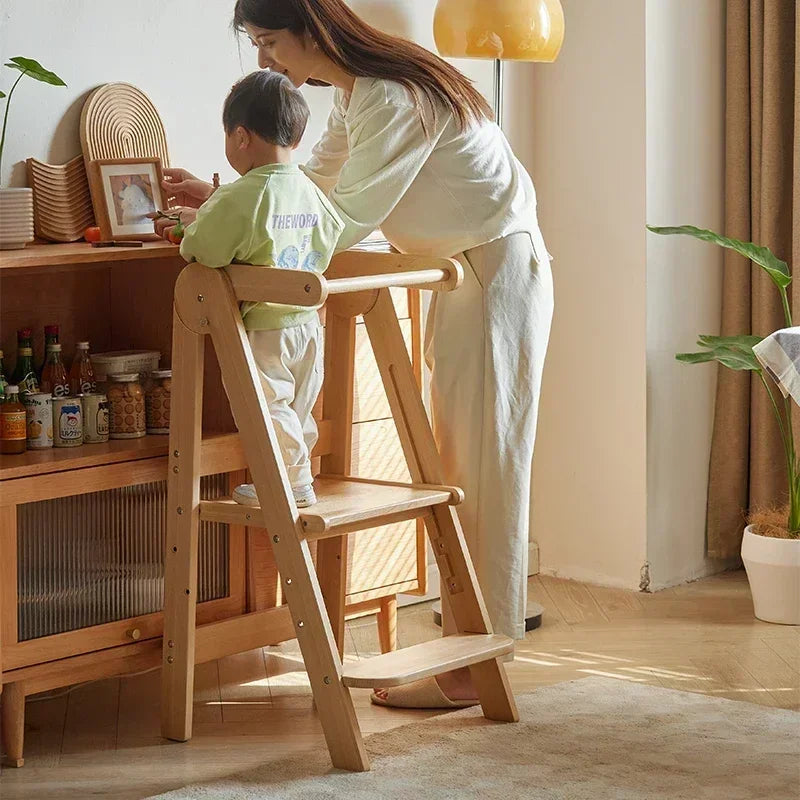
(411, 147)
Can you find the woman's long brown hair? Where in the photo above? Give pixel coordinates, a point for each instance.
(366, 52)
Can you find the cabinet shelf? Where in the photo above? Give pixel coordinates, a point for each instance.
(41, 254)
(224, 448)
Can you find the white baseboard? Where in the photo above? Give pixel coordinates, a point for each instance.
(533, 559)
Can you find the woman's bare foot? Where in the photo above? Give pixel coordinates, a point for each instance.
(456, 685)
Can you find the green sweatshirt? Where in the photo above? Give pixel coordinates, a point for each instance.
(272, 216)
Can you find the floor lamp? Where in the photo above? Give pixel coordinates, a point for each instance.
(500, 30)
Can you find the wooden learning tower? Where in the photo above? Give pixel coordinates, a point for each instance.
(357, 283)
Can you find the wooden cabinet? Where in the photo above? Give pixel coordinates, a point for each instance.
(70, 612)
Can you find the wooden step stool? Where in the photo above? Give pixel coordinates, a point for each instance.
(207, 303)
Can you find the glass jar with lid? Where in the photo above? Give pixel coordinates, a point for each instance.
(126, 406)
(157, 401)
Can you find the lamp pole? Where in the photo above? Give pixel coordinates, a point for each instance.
(498, 91)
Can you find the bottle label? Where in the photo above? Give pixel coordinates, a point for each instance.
(61, 390)
(88, 387)
(29, 383)
(13, 425)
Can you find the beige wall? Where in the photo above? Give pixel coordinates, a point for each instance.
(587, 120)
(685, 184)
(184, 58)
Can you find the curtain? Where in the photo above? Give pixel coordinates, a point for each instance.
(762, 204)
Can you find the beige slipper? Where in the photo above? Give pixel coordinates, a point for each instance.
(421, 694)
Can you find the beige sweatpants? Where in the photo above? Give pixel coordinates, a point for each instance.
(486, 345)
(290, 363)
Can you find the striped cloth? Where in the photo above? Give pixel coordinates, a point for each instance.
(780, 356)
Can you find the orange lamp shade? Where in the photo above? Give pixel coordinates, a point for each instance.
(513, 30)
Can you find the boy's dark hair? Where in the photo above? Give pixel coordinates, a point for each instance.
(268, 105)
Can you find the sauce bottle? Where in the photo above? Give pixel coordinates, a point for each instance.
(27, 376)
(24, 340)
(81, 373)
(13, 430)
(3, 381)
(50, 337)
(54, 374)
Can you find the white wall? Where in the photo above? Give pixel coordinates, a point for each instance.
(183, 58)
(685, 184)
(587, 120)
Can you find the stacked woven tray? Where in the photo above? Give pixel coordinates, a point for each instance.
(62, 204)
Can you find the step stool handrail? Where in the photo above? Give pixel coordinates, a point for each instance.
(345, 275)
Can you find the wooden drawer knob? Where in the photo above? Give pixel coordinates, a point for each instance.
(133, 633)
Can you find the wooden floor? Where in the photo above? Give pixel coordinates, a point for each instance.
(101, 740)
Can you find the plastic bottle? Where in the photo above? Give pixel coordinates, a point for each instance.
(81, 374)
(13, 430)
(54, 374)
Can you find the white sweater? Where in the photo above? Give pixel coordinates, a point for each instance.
(438, 194)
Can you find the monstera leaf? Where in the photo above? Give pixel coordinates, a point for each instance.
(777, 270)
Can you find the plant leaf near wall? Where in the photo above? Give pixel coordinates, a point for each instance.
(34, 69)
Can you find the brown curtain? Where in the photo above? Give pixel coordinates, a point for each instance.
(762, 205)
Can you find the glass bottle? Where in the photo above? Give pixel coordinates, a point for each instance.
(13, 430)
(81, 373)
(50, 337)
(27, 382)
(54, 374)
(24, 339)
(3, 381)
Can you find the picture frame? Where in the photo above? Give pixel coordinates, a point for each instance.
(123, 191)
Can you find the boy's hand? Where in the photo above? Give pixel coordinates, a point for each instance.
(186, 189)
(165, 224)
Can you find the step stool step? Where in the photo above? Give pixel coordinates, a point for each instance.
(426, 659)
(344, 505)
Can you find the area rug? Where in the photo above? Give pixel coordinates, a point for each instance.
(592, 739)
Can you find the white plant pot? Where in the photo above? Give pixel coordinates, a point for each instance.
(773, 569)
(16, 218)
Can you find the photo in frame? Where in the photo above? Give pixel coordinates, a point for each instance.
(124, 191)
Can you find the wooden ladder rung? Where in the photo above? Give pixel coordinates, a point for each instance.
(344, 505)
(426, 659)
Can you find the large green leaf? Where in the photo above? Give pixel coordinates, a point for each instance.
(35, 70)
(734, 352)
(777, 270)
(744, 343)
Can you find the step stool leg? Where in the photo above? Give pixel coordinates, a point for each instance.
(292, 555)
(337, 407)
(444, 530)
(180, 560)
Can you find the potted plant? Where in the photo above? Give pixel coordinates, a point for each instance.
(16, 205)
(771, 544)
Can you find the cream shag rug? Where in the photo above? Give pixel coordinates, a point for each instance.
(592, 739)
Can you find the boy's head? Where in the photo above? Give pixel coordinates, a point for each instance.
(263, 113)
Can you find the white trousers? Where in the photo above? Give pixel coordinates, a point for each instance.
(486, 344)
(290, 363)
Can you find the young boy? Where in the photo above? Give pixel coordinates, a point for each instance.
(275, 216)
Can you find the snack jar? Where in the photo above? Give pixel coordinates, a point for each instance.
(126, 406)
(157, 401)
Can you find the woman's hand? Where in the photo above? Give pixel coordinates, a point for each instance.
(165, 224)
(186, 189)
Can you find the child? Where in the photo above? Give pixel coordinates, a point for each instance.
(275, 216)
